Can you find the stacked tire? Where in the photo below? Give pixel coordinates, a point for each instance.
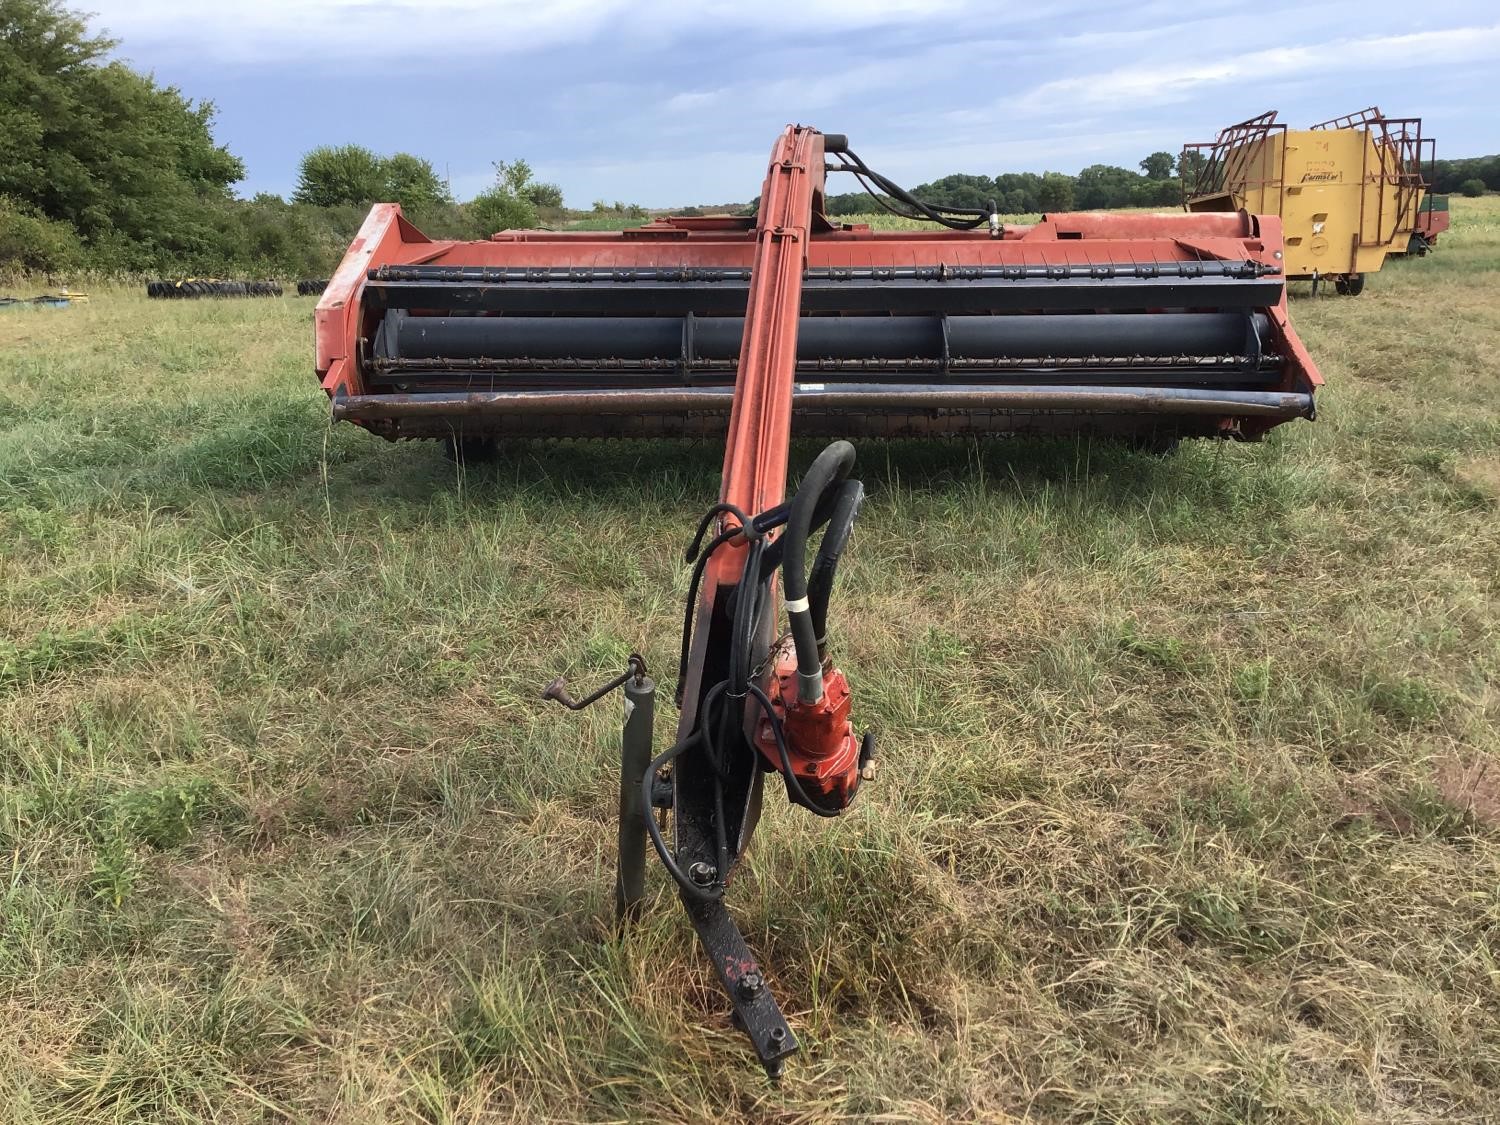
(210, 287)
(311, 288)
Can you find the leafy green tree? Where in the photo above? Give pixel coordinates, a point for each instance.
(960, 190)
(1451, 175)
(1018, 192)
(32, 244)
(131, 166)
(1157, 193)
(1105, 185)
(497, 210)
(513, 176)
(848, 203)
(339, 175)
(1190, 165)
(1055, 192)
(1159, 166)
(412, 182)
(544, 196)
(1472, 188)
(508, 205)
(331, 175)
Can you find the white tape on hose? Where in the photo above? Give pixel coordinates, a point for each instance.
(798, 605)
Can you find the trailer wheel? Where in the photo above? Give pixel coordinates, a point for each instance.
(1354, 284)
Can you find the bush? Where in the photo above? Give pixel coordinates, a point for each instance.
(547, 197)
(32, 244)
(130, 166)
(335, 174)
(497, 210)
(413, 183)
(1472, 188)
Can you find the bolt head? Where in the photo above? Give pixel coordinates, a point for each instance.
(703, 874)
(750, 985)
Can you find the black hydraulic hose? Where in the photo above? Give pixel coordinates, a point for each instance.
(769, 558)
(820, 582)
(793, 786)
(824, 496)
(770, 562)
(699, 555)
(699, 565)
(745, 605)
(718, 509)
(828, 470)
(692, 890)
(973, 216)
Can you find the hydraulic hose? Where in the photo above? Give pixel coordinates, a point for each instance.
(825, 496)
(820, 582)
(936, 213)
(828, 470)
(746, 604)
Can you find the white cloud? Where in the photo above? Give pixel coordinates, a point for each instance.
(692, 100)
(1146, 85)
(343, 31)
(669, 101)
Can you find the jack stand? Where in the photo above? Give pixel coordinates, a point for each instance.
(635, 759)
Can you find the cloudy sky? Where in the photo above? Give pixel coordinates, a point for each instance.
(668, 103)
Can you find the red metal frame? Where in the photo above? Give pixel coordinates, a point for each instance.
(788, 236)
(1225, 167)
(716, 804)
(760, 420)
(1081, 239)
(1399, 146)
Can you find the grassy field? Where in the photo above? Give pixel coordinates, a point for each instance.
(1183, 812)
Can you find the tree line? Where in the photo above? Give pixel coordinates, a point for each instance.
(102, 169)
(1097, 187)
(1103, 186)
(1472, 176)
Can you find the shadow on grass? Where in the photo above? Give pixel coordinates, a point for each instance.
(1111, 474)
(281, 450)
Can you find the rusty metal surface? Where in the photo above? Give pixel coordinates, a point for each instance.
(1178, 262)
(820, 423)
(864, 398)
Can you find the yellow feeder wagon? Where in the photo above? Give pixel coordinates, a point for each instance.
(1350, 191)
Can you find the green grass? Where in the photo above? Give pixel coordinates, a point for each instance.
(1165, 827)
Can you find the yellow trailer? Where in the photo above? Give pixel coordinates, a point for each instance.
(1349, 191)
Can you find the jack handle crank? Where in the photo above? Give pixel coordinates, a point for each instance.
(635, 761)
(558, 688)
